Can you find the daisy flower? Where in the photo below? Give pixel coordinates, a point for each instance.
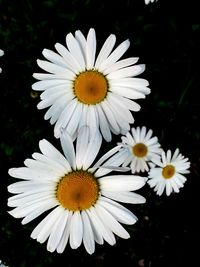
(82, 89)
(1, 54)
(139, 148)
(149, 1)
(83, 200)
(168, 174)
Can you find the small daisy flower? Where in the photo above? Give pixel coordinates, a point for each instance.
(1, 54)
(139, 149)
(82, 89)
(168, 174)
(149, 1)
(83, 200)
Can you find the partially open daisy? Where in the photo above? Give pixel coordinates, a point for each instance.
(82, 199)
(82, 89)
(168, 174)
(1, 54)
(139, 148)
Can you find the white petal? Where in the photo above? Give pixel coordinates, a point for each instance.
(88, 235)
(76, 230)
(115, 161)
(74, 120)
(44, 228)
(55, 69)
(64, 239)
(47, 84)
(54, 58)
(105, 157)
(39, 210)
(115, 55)
(68, 148)
(105, 50)
(73, 64)
(103, 124)
(92, 150)
(65, 117)
(127, 72)
(57, 232)
(91, 48)
(100, 228)
(127, 92)
(121, 64)
(121, 183)
(119, 212)
(111, 222)
(75, 50)
(110, 116)
(125, 197)
(50, 151)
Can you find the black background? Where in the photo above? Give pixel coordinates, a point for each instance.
(165, 36)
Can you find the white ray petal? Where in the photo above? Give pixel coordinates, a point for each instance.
(115, 55)
(127, 72)
(103, 124)
(54, 58)
(47, 84)
(125, 197)
(39, 210)
(100, 228)
(121, 64)
(44, 228)
(121, 183)
(66, 232)
(92, 150)
(55, 69)
(75, 50)
(50, 151)
(72, 63)
(111, 222)
(57, 232)
(76, 230)
(68, 148)
(91, 49)
(119, 212)
(105, 50)
(88, 235)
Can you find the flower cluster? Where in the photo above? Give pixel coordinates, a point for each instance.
(88, 98)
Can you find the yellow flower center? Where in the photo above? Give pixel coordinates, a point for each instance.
(168, 171)
(90, 87)
(140, 150)
(77, 190)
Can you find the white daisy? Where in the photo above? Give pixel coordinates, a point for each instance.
(149, 1)
(1, 54)
(169, 173)
(82, 198)
(139, 149)
(82, 89)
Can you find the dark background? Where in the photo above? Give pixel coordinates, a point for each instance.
(165, 35)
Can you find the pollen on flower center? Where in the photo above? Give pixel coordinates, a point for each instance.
(140, 150)
(90, 87)
(77, 190)
(168, 171)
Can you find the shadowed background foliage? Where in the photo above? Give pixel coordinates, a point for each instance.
(165, 36)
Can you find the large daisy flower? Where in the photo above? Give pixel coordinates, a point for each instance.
(168, 174)
(82, 199)
(139, 148)
(1, 54)
(82, 89)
